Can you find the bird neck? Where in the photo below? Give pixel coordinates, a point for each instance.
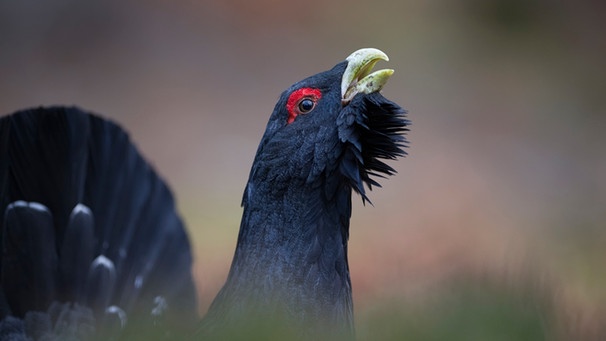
(291, 256)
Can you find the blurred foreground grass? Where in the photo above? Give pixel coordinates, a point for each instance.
(466, 311)
(468, 308)
(501, 289)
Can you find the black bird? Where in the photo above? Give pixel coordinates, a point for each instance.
(92, 244)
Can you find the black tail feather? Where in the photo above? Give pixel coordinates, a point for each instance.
(110, 235)
(76, 253)
(100, 284)
(29, 259)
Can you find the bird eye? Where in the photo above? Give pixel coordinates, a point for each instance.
(302, 101)
(306, 105)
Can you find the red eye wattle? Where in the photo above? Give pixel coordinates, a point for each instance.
(302, 101)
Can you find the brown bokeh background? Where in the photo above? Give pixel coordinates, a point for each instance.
(506, 178)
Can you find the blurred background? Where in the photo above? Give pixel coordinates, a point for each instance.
(495, 226)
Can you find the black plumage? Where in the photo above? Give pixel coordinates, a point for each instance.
(90, 231)
(291, 256)
(85, 220)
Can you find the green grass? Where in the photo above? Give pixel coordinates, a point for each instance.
(469, 311)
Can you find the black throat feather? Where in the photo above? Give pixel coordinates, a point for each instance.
(373, 129)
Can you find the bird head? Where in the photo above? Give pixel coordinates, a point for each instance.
(334, 124)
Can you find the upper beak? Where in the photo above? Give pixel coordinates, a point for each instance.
(357, 77)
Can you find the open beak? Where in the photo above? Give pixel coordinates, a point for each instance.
(357, 77)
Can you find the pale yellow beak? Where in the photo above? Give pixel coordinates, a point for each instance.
(357, 77)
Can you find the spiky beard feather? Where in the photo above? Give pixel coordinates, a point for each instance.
(373, 128)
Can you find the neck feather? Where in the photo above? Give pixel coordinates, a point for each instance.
(291, 256)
